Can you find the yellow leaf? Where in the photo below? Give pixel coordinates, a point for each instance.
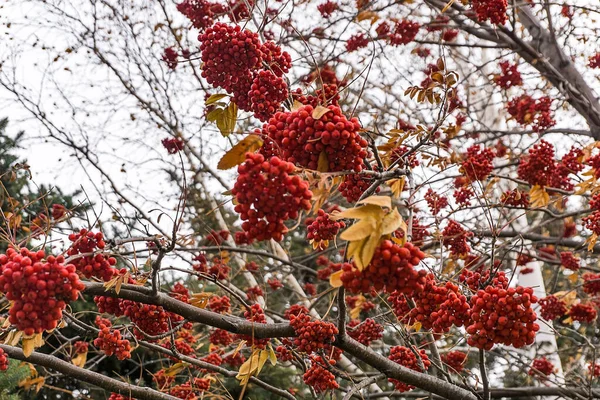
(319, 111)
(13, 338)
(248, 368)
(368, 210)
(397, 186)
(568, 321)
(239, 347)
(335, 279)
(323, 164)
(237, 154)
(225, 118)
(391, 222)
(539, 197)
(214, 98)
(175, 369)
(355, 312)
(360, 230)
(272, 355)
(297, 105)
(592, 242)
(370, 246)
(381, 201)
(28, 346)
(200, 300)
(416, 326)
(354, 249)
(573, 278)
(264, 356)
(37, 382)
(80, 360)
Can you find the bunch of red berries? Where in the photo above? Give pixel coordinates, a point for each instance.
(312, 336)
(217, 237)
(492, 10)
(407, 358)
(455, 238)
(327, 8)
(220, 305)
(3, 360)
(110, 341)
(357, 41)
(435, 201)
(257, 315)
(284, 353)
(594, 61)
(109, 305)
(117, 396)
(148, 318)
(391, 268)
(181, 347)
(254, 292)
(591, 283)
(477, 164)
(551, 307)
(500, 315)
(509, 76)
(80, 347)
(274, 283)
(528, 111)
(185, 391)
(170, 57)
(295, 310)
(299, 138)
(538, 167)
(455, 360)
(221, 337)
(594, 369)
(267, 93)
(180, 293)
(365, 332)
(267, 195)
(354, 185)
(319, 378)
(404, 32)
(569, 261)
(541, 368)
(99, 265)
(476, 280)
(398, 154)
(515, 198)
(583, 313)
(173, 145)
(39, 290)
(400, 306)
(328, 94)
(360, 301)
(162, 380)
(200, 12)
(592, 222)
(438, 307)
(463, 196)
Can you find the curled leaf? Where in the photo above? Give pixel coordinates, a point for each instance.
(237, 154)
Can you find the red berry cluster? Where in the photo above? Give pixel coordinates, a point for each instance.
(463, 196)
(365, 332)
(162, 380)
(173, 145)
(509, 76)
(99, 265)
(477, 164)
(267, 93)
(267, 196)
(299, 138)
(109, 305)
(180, 293)
(583, 313)
(357, 41)
(438, 307)
(170, 57)
(594, 61)
(221, 337)
(323, 229)
(398, 153)
(80, 347)
(213, 358)
(295, 310)
(187, 391)
(310, 289)
(39, 291)
(3, 360)
(235, 360)
(435, 201)
(254, 292)
(540, 168)
(591, 283)
(392, 268)
(594, 369)
(551, 307)
(492, 10)
(528, 111)
(312, 336)
(477, 280)
(515, 198)
(117, 396)
(541, 368)
(407, 358)
(274, 283)
(455, 360)
(200, 12)
(404, 32)
(220, 305)
(500, 315)
(181, 346)
(217, 237)
(237, 61)
(365, 305)
(455, 238)
(566, 11)
(400, 306)
(149, 318)
(257, 315)
(110, 341)
(354, 185)
(327, 8)
(319, 378)
(284, 353)
(592, 222)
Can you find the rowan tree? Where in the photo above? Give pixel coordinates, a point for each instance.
(303, 199)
